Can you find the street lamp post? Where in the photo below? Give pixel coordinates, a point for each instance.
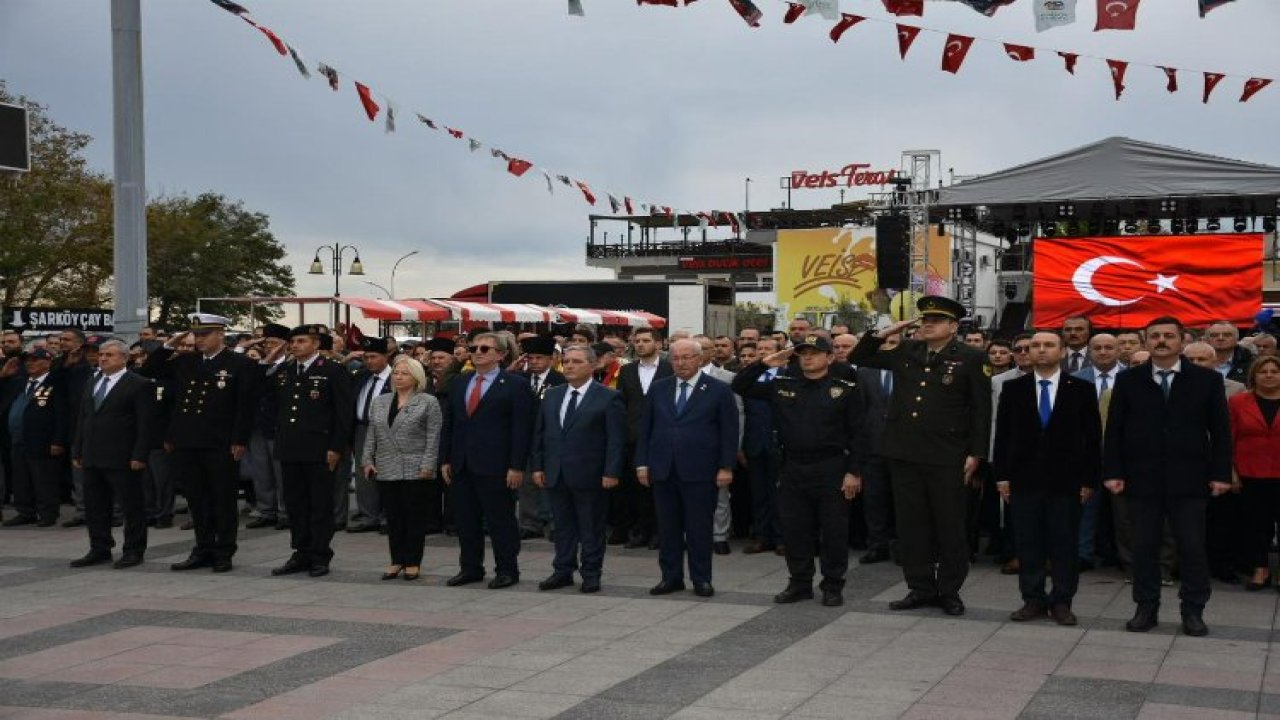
(336, 251)
(393, 272)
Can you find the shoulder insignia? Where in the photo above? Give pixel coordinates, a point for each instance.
(848, 383)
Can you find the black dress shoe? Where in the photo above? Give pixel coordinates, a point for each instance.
(191, 563)
(463, 578)
(282, 524)
(362, 527)
(1193, 625)
(793, 593)
(590, 586)
(73, 522)
(666, 587)
(1144, 618)
(874, 556)
(636, 543)
(759, 547)
(93, 558)
(831, 597)
(528, 534)
(703, 589)
(914, 600)
(163, 524)
(951, 605)
(504, 581)
(1083, 565)
(46, 523)
(555, 582)
(127, 561)
(1061, 614)
(1227, 576)
(221, 566)
(654, 544)
(1030, 610)
(18, 520)
(721, 548)
(318, 571)
(617, 536)
(291, 566)
(261, 522)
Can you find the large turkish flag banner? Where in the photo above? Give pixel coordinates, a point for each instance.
(1123, 282)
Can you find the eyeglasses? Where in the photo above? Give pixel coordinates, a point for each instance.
(1022, 349)
(482, 349)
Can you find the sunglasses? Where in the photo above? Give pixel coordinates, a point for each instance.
(1022, 349)
(482, 349)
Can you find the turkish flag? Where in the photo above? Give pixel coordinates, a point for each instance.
(1124, 282)
(275, 39)
(1117, 15)
(1020, 53)
(587, 195)
(905, 7)
(846, 21)
(954, 52)
(794, 11)
(1211, 80)
(1252, 86)
(906, 35)
(518, 167)
(371, 108)
(1118, 69)
(1172, 74)
(1070, 59)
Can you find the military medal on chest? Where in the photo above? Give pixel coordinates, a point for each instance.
(222, 376)
(836, 392)
(42, 396)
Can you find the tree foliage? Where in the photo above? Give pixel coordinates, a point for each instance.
(56, 236)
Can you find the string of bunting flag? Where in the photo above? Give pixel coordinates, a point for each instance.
(517, 166)
(1112, 15)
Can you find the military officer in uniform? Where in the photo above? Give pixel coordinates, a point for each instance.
(313, 429)
(936, 430)
(209, 428)
(819, 422)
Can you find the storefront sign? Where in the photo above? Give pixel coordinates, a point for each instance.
(44, 319)
(727, 262)
(850, 175)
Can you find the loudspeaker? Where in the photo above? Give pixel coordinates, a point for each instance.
(893, 251)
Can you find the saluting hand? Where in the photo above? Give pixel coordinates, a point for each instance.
(778, 359)
(896, 328)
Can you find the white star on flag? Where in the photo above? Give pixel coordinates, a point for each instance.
(1164, 282)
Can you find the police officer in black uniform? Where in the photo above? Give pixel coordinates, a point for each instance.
(209, 427)
(936, 431)
(819, 423)
(313, 429)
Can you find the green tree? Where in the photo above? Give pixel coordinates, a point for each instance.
(209, 246)
(55, 221)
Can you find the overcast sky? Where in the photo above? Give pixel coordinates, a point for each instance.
(677, 106)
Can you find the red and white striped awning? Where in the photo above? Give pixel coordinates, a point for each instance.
(630, 318)
(496, 312)
(403, 310)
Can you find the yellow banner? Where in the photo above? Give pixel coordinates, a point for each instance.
(817, 269)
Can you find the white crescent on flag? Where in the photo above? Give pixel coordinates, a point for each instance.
(1082, 280)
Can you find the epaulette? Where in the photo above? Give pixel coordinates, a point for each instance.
(782, 377)
(849, 383)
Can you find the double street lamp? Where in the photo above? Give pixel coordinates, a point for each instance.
(336, 252)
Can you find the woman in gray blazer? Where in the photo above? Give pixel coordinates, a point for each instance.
(400, 452)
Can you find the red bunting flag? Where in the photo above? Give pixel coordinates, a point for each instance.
(846, 21)
(1070, 59)
(1211, 81)
(455, 133)
(748, 10)
(518, 167)
(954, 52)
(1252, 86)
(1118, 69)
(275, 40)
(371, 108)
(586, 191)
(1172, 75)
(1019, 53)
(904, 7)
(906, 35)
(733, 220)
(794, 11)
(626, 202)
(1117, 15)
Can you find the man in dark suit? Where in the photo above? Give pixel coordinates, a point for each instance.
(37, 408)
(763, 460)
(112, 441)
(487, 429)
(313, 430)
(370, 381)
(208, 432)
(1048, 462)
(1076, 332)
(877, 492)
(631, 507)
(1168, 448)
(687, 446)
(936, 432)
(538, 355)
(577, 455)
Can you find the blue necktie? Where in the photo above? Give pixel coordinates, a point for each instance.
(1164, 381)
(1046, 409)
(100, 394)
(682, 399)
(886, 382)
(573, 406)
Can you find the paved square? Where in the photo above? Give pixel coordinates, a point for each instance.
(150, 643)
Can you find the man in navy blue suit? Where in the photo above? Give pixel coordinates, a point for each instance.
(687, 447)
(485, 444)
(578, 443)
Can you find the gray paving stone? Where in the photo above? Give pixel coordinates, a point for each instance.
(600, 708)
(1217, 698)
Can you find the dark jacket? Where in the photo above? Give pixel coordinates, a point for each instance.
(1168, 448)
(496, 438)
(696, 444)
(875, 401)
(121, 430)
(940, 411)
(313, 410)
(46, 419)
(633, 393)
(1059, 459)
(214, 400)
(589, 447)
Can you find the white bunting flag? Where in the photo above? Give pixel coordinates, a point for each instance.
(1053, 13)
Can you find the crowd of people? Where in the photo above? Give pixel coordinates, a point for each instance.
(1154, 450)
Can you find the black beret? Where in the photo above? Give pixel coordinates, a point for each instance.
(300, 330)
(601, 348)
(275, 330)
(441, 344)
(540, 345)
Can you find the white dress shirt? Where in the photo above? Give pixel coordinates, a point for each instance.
(564, 404)
(1110, 375)
(646, 371)
(111, 381)
(1053, 379)
(1155, 372)
(693, 385)
(372, 389)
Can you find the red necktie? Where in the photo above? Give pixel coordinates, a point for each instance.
(473, 400)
